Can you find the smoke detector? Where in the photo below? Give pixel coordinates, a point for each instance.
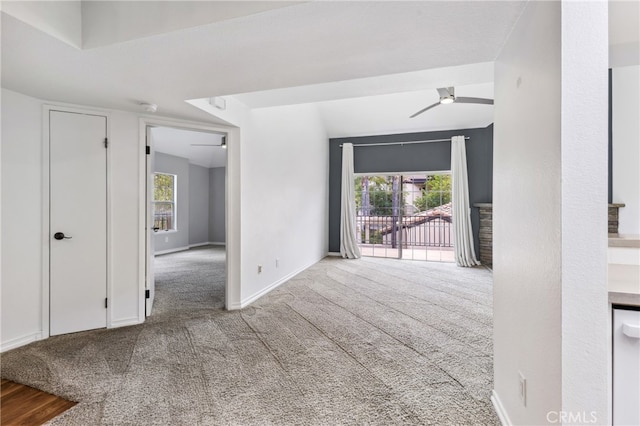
(149, 107)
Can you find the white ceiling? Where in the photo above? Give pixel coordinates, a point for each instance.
(169, 52)
(388, 114)
(138, 19)
(307, 43)
(372, 86)
(200, 148)
(390, 100)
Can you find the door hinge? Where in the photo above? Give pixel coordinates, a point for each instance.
(148, 150)
(106, 302)
(147, 294)
(106, 142)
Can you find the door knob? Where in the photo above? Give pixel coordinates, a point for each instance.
(60, 236)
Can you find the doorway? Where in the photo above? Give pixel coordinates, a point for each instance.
(405, 216)
(77, 221)
(186, 187)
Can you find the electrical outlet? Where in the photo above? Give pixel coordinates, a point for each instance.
(522, 388)
(166, 239)
(259, 269)
(277, 263)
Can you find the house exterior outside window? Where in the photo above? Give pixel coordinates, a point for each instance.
(164, 202)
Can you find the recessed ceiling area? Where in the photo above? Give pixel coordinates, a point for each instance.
(89, 24)
(271, 53)
(200, 148)
(382, 105)
(389, 114)
(303, 44)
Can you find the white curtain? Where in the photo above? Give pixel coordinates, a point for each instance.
(348, 243)
(462, 231)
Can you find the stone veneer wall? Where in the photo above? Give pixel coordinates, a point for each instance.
(486, 233)
(613, 218)
(486, 229)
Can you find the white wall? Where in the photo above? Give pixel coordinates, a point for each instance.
(277, 172)
(177, 239)
(584, 124)
(284, 195)
(21, 285)
(549, 206)
(21, 227)
(526, 216)
(626, 147)
(125, 155)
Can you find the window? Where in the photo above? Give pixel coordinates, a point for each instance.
(405, 216)
(164, 202)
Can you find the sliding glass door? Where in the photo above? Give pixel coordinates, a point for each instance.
(405, 216)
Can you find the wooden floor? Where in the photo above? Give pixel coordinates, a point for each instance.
(22, 405)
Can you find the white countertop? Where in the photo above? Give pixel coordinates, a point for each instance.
(624, 284)
(624, 240)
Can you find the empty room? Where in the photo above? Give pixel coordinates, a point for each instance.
(239, 212)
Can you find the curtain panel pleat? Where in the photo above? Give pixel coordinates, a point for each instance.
(348, 234)
(463, 233)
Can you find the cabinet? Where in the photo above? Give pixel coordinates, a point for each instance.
(626, 365)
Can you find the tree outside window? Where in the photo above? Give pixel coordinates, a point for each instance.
(164, 202)
(437, 192)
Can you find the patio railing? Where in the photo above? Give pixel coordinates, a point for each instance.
(410, 231)
(163, 221)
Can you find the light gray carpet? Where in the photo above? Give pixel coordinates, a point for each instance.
(370, 341)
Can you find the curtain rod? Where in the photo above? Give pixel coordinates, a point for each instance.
(404, 143)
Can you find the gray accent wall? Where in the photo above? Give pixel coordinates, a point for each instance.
(199, 195)
(169, 240)
(427, 157)
(200, 202)
(217, 178)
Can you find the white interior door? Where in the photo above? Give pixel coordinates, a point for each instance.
(150, 284)
(78, 222)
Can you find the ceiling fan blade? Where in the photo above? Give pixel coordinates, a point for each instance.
(425, 109)
(464, 100)
(445, 92)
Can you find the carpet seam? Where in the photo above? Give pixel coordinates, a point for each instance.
(410, 295)
(371, 373)
(394, 338)
(400, 312)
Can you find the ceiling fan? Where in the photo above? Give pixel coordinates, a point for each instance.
(447, 96)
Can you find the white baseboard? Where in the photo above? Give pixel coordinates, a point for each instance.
(20, 341)
(199, 244)
(173, 250)
(217, 243)
(500, 411)
(125, 322)
(334, 254)
(246, 302)
(208, 243)
(233, 306)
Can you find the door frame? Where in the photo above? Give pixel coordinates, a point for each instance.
(230, 259)
(46, 231)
